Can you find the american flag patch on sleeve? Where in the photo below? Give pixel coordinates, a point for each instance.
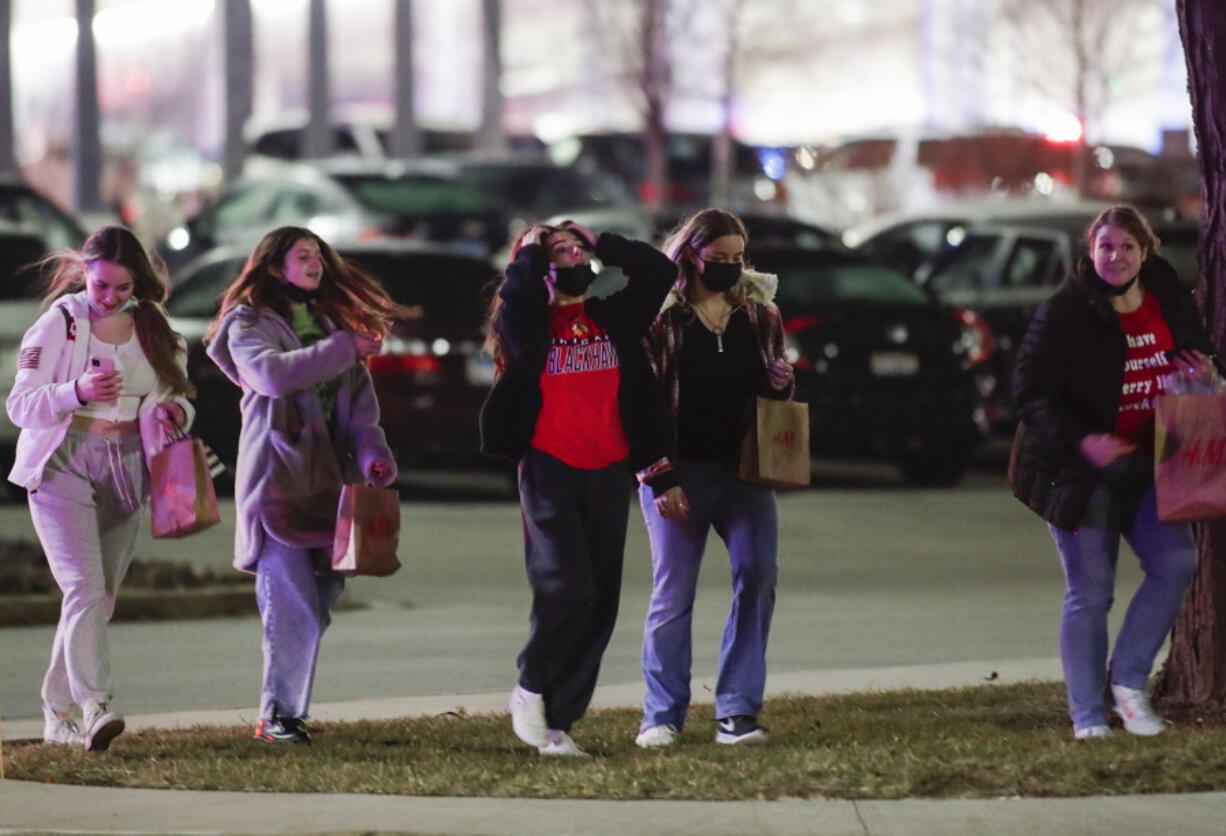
(29, 357)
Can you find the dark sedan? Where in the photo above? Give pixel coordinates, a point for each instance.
(431, 376)
(887, 369)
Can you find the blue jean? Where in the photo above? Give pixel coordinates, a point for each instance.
(744, 516)
(295, 607)
(1089, 556)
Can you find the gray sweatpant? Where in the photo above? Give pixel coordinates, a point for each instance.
(87, 512)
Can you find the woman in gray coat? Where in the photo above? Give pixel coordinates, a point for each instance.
(293, 332)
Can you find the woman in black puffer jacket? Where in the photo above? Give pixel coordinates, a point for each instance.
(1095, 356)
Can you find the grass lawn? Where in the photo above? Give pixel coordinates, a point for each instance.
(981, 742)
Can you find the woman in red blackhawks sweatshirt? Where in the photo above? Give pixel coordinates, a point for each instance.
(576, 404)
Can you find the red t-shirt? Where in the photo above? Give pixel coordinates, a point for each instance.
(580, 422)
(1146, 370)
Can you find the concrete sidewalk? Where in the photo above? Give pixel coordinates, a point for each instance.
(40, 808)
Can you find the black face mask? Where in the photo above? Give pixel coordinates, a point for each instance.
(1117, 290)
(573, 281)
(296, 294)
(719, 276)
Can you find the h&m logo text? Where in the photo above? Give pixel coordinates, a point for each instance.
(1211, 452)
(784, 438)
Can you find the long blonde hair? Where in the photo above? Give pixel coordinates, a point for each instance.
(115, 244)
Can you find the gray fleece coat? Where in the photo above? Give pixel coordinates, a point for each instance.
(291, 461)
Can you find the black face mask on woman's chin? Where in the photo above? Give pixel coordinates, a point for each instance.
(573, 281)
(296, 294)
(719, 276)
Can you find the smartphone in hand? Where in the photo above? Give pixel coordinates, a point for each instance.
(101, 364)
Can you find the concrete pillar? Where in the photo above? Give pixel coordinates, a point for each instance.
(491, 136)
(86, 141)
(238, 50)
(406, 135)
(8, 150)
(317, 141)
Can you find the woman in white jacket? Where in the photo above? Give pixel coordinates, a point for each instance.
(101, 386)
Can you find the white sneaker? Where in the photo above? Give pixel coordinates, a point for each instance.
(101, 726)
(1133, 707)
(61, 730)
(528, 717)
(657, 737)
(560, 743)
(1091, 732)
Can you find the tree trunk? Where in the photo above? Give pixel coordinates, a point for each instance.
(656, 77)
(722, 160)
(1195, 671)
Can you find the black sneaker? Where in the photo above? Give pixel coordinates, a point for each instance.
(742, 729)
(282, 730)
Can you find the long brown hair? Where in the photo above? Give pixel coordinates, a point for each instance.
(347, 296)
(117, 245)
(690, 236)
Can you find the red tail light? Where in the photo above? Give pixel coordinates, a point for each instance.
(371, 233)
(976, 336)
(411, 364)
(793, 324)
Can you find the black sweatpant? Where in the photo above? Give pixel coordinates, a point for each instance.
(574, 542)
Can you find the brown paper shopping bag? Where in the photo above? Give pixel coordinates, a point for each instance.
(1190, 457)
(775, 451)
(182, 499)
(367, 531)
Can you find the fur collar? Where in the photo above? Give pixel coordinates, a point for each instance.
(758, 287)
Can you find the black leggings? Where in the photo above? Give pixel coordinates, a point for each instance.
(574, 542)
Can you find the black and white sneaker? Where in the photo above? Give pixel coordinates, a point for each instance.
(740, 729)
(282, 730)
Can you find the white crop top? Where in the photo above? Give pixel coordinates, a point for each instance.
(139, 379)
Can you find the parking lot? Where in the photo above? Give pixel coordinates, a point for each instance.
(872, 575)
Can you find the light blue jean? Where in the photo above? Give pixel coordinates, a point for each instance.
(744, 516)
(1126, 507)
(296, 609)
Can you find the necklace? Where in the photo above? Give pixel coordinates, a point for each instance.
(718, 327)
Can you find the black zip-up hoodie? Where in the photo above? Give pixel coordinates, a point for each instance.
(508, 417)
(1068, 381)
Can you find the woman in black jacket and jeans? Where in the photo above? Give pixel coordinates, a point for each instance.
(576, 403)
(1095, 356)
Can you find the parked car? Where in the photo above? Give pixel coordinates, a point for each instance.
(430, 377)
(888, 370)
(756, 178)
(25, 210)
(764, 230)
(346, 201)
(906, 240)
(360, 134)
(899, 172)
(20, 304)
(1003, 272)
(530, 187)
